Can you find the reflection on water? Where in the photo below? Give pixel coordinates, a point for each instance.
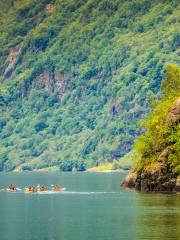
(94, 207)
(158, 216)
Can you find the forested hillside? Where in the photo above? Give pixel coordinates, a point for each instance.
(77, 75)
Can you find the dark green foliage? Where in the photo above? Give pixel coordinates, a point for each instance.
(176, 41)
(76, 76)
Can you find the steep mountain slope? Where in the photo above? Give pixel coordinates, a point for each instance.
(158, 168)
(76, 76)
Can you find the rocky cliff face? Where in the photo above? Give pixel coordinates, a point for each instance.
(174, 114)
(153, 180)
(11, 61)
(159, 176)
(54, 82)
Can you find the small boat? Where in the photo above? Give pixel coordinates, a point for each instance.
(57, 188)
(13, 188)
(41, 188)
(30, 190)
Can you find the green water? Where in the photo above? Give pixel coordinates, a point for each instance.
(94, 207)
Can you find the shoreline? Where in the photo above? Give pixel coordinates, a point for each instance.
(57, 171)
(107, 171)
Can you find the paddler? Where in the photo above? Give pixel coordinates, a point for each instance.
(31, 189)
(57, 188)
(12, 187)
(42, 188)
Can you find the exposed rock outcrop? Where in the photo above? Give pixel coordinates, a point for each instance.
(49, 8)
(47, 81)
(54, 82)
(153, 180)
(11, 60)
(61, 81)
(164, 156)
(177, 187)
(174, 113)
(114, 107)
(130, 180)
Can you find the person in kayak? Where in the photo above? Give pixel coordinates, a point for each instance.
(12, 187)
(31, 189)
(42, 188)
(57, 188)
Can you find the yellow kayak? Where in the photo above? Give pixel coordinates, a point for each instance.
(29, 190)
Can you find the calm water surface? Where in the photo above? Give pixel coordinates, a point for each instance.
(94, 207)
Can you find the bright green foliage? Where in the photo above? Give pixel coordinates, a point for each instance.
(162, 129)
(77, 75)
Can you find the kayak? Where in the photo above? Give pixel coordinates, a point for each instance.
(27, 190)
(61, 190)
(57, 188)
(41, 188)
(13, 190)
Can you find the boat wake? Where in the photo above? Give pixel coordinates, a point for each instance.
(86, 193)
(63, 191)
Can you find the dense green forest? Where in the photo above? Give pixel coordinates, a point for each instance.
(158, 150)
(76, 76)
